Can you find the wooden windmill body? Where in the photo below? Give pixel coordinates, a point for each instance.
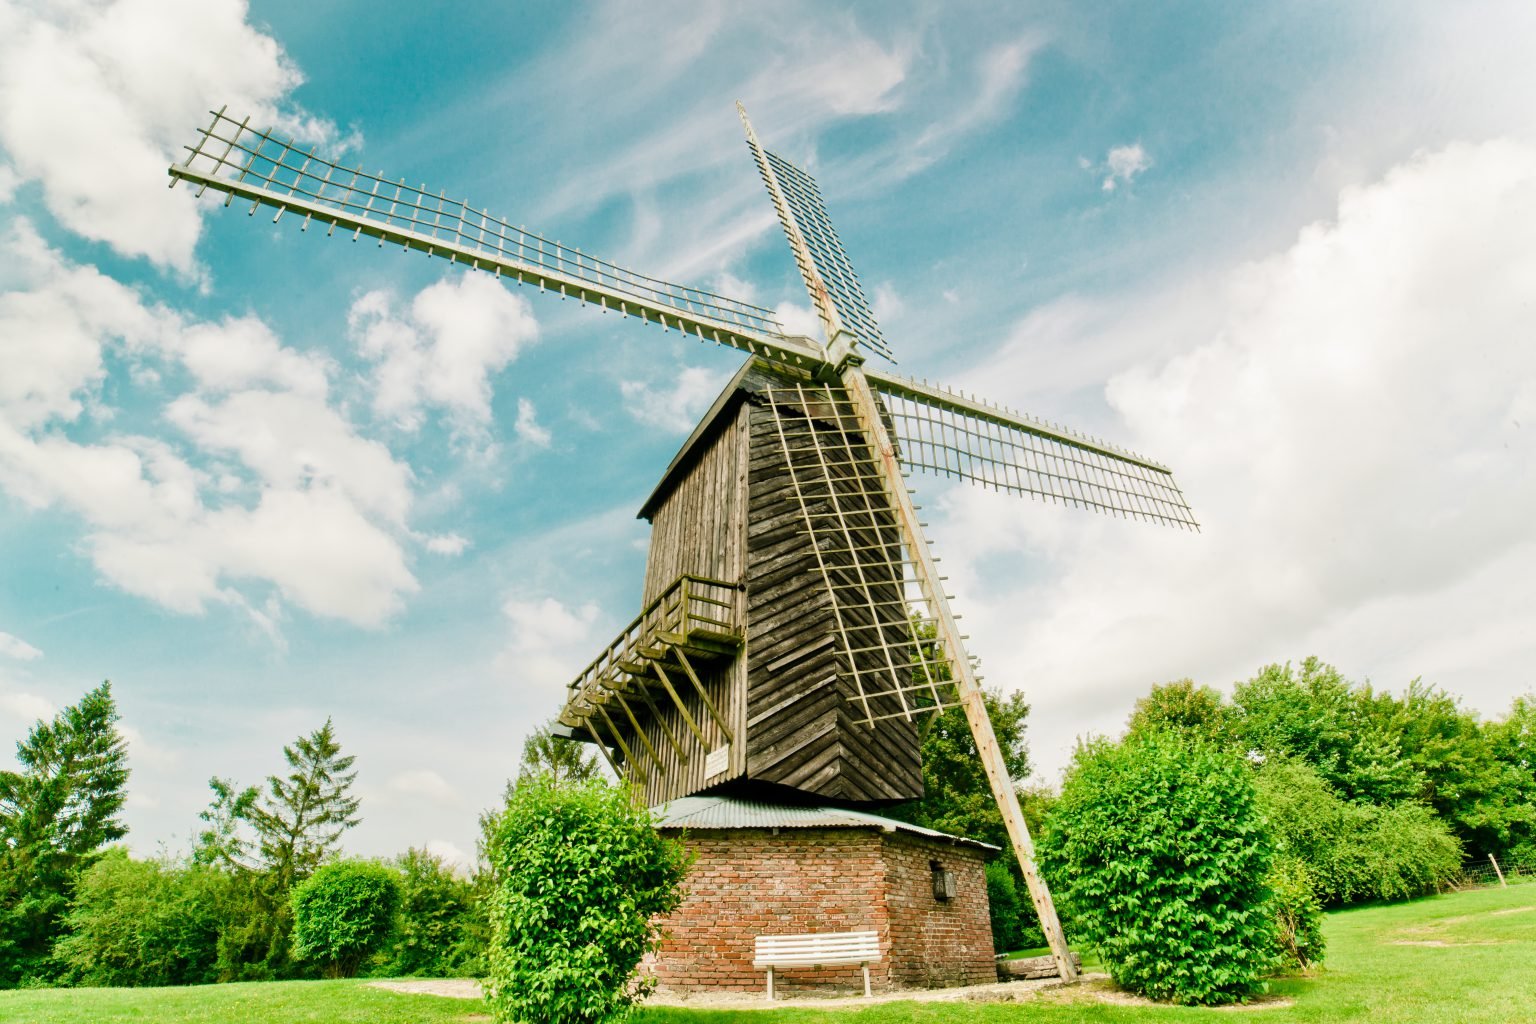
(794, 629)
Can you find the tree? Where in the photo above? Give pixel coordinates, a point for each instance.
(582, 877)
(956, 795)
(1317, 716)
(441, 930)
(1513, 740)
(223, 843)
(1481, 796)
(56, 814)
(139, 922)
(342, 913)
(562, 759)
(1353, 851)
(295, 824)
(301, 817)
(1158, 849)
(1198, 712)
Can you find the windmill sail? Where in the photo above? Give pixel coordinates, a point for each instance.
(957, 436)
(828, 274)
(246, 163)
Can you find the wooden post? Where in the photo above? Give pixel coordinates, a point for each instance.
(964, 676)
(1497, 871)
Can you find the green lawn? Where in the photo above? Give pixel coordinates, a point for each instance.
(1468, 958)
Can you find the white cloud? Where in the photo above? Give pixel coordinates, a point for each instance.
(1122, 164)
(443, 351)
(53, 318)
(26, 708)
(127, 83)
(548, 640)
(447, 544)
(243, 352)
(144, 753)
(424, 784)
(798, 319)
(527, 426)
(9, 180)
(1350, 435)
(323, 508)
(887, 305)
(294, 441)
(678, 407)
(450, 853)
(15, 647)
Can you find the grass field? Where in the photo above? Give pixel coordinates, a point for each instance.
(1468, 958)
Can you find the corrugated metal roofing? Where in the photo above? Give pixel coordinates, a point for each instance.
(721, 812)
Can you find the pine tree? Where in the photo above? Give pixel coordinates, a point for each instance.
(56, 814)
(302, 816)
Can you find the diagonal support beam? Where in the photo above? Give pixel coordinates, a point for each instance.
(693, 677)
(968, 688)
(629, 755)
(693, 726)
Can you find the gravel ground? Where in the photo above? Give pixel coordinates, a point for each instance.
(1012, 991)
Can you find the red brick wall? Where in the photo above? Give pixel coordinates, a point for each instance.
(749, 882)
(937, 943)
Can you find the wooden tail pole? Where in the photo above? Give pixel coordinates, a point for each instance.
(969, 689)
(1496, 870)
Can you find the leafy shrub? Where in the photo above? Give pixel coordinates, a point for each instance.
(1158, 851)
(137, 922)
(1396, 853)
(440, 930)
(1297, 914)
(342, 913)
(1354, 851)
(582, 875)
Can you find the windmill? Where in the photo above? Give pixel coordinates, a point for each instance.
(794, 628)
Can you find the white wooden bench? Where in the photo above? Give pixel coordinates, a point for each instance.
(819, 950)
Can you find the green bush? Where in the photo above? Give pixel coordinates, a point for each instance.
(342, 913)
(1396, 853)
(1297, 914)
(1159, 853)
(1353, 851)
(582, 876)
(440, 931)
(137, 922)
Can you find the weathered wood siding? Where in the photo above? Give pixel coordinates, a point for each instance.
(790, 698)
(699, 527)
(804, 712)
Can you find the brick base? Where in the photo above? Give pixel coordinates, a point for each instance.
(749, 882)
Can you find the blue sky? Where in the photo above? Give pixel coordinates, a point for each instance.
(259, 478)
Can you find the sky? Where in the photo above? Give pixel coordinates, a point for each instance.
(259, 478)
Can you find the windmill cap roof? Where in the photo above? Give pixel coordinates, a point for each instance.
(706, 812)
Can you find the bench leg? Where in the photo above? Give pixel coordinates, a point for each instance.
(770, 984)
(866, 980)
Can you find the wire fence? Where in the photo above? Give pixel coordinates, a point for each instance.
(1482, 874)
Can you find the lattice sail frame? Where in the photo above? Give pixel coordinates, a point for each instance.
(256, 165)
(959, 437)
(824, 265)
(897, 667)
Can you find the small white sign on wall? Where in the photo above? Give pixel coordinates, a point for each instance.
(717, 761)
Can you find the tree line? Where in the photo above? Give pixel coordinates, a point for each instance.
(1298, 791)
(1366, 794)
(262, 894)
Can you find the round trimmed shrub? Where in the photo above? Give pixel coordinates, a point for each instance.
(582, 877)
(1160, 855)
(342, 913)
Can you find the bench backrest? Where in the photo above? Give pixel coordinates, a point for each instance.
(820, 948)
